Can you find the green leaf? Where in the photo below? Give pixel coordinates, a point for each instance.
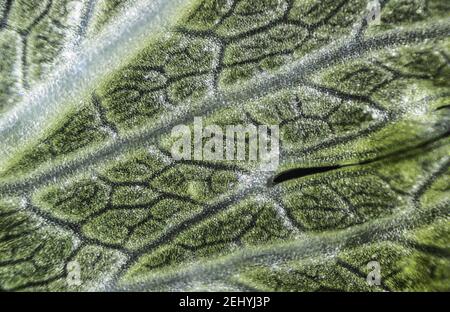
(86, 174)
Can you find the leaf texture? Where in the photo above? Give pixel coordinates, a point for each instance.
(364, 164)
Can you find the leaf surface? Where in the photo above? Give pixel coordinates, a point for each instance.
(364, 148)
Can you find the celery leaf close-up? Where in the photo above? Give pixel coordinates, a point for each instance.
(92, 199)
